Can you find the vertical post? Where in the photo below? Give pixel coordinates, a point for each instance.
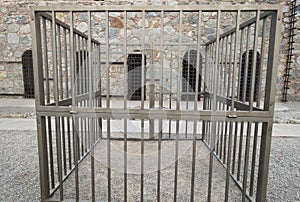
(269, 105)
(73, 86)
(40, 100)
(213, 131)
(125, 107)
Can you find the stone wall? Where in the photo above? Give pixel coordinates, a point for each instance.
(15, 37)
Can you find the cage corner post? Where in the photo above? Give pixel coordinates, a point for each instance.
(39, 101)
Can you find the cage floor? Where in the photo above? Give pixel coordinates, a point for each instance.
(167, 173)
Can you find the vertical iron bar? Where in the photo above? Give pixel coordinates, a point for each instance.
(56, 99)
(240, 151)
(269, 104)
(40, 100)
(196, 106)
(263, 41)
(252, 175)
(246, 66)
(75, 132)
(66, 62)
(91, 128)
(143, 62)
(235, 57)
(214, 106)
(254, 59)
(45, 45)
(234, 147)
(54, 58)
(228, 161)
(108, 106)
(178, 106)
(246, 161)
(240, 64)
(160, 105)
(125, 71)
(60, 75)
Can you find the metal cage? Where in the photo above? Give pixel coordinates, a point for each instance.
(200, 130)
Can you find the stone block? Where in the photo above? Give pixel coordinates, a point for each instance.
(13, 28)
(21, 19)
(25, 40)
(13, 38)
(83, 27)
(2, 68)
(2, 28)
(25, 29)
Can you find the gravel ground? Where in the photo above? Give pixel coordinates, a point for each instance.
(19, 177)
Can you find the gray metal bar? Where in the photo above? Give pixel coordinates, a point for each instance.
(75, 132)
(66, 62)
(151, 96)
(64, 145)
(228, 161)
(216, 66)
(54, 58)
(129, 8)
(246, 65)
(108, 106)
(176, 161)
(246, 161)
(171, 93)
(212, 148)
(269, 105)
(79, 57)
(59, 157)
(142, 158)
(90, 121)
(234, 147)
(240, 152)
(252, 175)
(240, 62)
(253, 72)
(230, 75)
(272, 61)
(46, 60)
(196, 107)
(263, 41)
(179, 76)
(143, 62)
(40, 100)
(235, 57)
(160, 106)
(60, 75)
(125, 72)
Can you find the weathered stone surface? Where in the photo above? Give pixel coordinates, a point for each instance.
(13, 38)
(113, 32)
(13, 28)
(18, 54)
(194, 19)
(2, 28)
(83, 27)
(83, 16)
(21, 19)
(2, 68)
(25, 29)
(7, 19)
(25, 40)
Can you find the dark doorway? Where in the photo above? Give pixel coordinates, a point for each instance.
(245, 78)
(135, 86)
(28, 77)
(189, 75)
